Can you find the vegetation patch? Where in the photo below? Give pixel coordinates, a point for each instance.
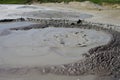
(14, 1)
(45, 1)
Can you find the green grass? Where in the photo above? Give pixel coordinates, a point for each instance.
(45, 1)
(14, 1)
(107, 1)
(95, 1)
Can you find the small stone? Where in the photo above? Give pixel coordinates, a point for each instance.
(79, 44)
(76, 32)
(43, 71)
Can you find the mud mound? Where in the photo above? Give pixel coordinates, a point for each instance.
(49, 42)
(101, 60)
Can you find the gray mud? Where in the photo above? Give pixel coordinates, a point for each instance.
(53, 14)
(102, 60)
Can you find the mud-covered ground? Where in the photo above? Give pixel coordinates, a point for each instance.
(59, 47)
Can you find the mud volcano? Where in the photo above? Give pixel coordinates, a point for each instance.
(60, 47)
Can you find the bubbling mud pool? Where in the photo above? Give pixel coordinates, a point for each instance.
(48, 46)
(26, 51)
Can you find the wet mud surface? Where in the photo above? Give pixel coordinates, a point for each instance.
(101, 60)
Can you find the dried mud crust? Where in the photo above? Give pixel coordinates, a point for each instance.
(101, 60)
